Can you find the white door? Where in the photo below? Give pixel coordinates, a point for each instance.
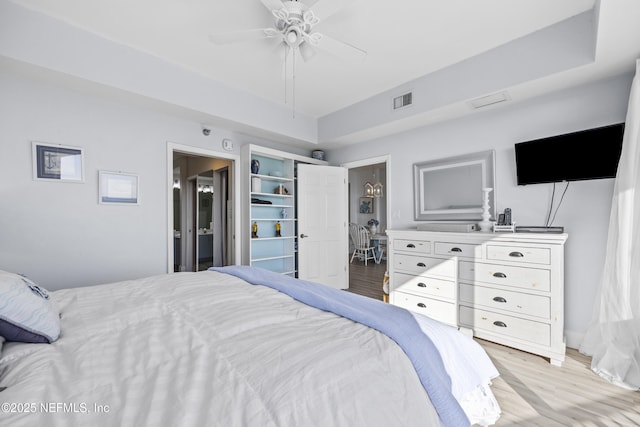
(322, 225)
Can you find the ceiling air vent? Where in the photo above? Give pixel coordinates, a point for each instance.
(492, 99)
(402, 101)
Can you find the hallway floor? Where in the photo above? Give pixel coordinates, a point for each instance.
(367, 280)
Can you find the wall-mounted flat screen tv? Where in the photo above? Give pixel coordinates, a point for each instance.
(587, 154)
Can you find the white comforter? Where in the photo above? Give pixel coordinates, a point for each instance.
(207, 349)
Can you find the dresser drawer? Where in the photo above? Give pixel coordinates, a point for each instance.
(509, 326)
(417, 265)
(463, 250)
(440, 310)
(417, 246)
(519, 303)
(519, 277)
(519, 254)
(426, 286)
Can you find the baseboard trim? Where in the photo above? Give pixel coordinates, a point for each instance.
(573, 339)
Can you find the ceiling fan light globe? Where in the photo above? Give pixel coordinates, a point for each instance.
(294, 35)
(280, 25)
(306, 51)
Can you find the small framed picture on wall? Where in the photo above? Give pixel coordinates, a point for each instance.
(54, 162)
(366, 205)
(118, 188)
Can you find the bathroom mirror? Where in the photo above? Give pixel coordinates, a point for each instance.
(451, 188)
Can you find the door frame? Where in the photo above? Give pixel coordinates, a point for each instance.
(373, 161)
(235, 190)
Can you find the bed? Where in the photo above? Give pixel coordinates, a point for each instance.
(238, 346)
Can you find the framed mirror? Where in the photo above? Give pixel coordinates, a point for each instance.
(451, 188)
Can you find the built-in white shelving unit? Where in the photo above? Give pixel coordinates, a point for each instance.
(271, 201)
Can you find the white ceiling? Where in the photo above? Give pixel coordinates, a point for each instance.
(404, 40)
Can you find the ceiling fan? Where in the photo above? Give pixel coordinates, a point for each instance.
(293, 27)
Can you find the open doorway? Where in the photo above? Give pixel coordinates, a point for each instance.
(203, 210)
(368, 207)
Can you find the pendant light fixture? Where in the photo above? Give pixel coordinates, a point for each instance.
(368, 189)
(373, 190)
(377, 190)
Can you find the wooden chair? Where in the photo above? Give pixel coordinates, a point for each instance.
(362, 243)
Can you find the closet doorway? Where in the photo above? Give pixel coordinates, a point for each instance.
(203, 209)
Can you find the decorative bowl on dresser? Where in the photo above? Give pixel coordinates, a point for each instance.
(508, 288)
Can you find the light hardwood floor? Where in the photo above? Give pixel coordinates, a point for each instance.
(530, 391)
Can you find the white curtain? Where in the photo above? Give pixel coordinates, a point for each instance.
(613, 337)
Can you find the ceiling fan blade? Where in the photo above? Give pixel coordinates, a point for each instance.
(241, 36)
(338, 48)
(272, 4)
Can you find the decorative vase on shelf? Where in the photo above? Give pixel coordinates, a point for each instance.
(255, 166)
(485, 224)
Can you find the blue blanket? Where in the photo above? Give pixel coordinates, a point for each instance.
(395, 322)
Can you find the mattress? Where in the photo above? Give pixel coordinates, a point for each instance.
(208, 349)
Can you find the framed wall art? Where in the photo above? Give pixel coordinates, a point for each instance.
(118, 188)
(57, 162)
(366, 205)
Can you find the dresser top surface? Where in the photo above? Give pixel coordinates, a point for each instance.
(479, 236)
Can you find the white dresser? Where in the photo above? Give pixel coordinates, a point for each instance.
(507, 287)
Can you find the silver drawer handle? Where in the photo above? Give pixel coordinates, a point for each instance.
(516, 254)
(411, 245)
(499, 299)
(500, 275)
(422, 305)
(455, 250)
(499, 323)
(422, 285)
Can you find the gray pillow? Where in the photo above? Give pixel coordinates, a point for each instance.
(26, 312)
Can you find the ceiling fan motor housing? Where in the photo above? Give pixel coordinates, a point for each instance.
(294, 20)
(292, 27)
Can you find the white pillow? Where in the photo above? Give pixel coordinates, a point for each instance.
(26, 313)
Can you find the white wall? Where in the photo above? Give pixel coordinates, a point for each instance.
(57, 233)
(585, 210)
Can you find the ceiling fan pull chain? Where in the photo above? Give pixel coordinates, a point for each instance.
(286, 70)
(293, 101)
